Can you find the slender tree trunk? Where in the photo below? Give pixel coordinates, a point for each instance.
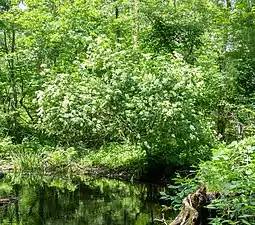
(13, 83)
(228, 3)
(221, 121)
(9, 48)
(136, 21)
(12, 72)
(175, 2)
(117, 29)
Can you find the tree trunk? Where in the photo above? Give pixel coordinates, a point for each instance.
(117, 29)
(136, 20)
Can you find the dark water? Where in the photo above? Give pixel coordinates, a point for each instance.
(82, 201)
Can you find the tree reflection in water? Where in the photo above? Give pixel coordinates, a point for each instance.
(84, 200)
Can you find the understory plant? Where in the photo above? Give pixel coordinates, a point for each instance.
(230, 177)
(231, 173)
(121, 157)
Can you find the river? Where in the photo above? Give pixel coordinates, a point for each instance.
(59, 200)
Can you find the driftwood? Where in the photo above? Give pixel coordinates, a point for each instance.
(6, 201)
(193, 211)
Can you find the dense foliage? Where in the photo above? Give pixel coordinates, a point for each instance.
(126, 84)
(67, 82)
(230, 174)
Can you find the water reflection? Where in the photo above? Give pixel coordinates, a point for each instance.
(84, 200)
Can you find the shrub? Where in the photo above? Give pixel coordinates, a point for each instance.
(144, 99)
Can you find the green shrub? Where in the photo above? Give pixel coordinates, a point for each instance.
(125, 96)
(231, 174)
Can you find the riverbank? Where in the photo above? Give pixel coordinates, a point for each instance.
(77, 170)
(125, 162)
(141, 175)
